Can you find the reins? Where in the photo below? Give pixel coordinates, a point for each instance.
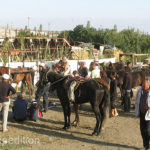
(58, 81)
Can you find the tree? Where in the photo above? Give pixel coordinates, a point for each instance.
(128, 40)
(88, 25)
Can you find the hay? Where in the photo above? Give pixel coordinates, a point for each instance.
(79, 54)
(113, 53)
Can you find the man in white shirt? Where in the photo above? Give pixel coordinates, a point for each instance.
(95, 73)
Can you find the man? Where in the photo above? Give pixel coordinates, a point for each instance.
(64, 66)
(113, 93)
(95, 73)
(20, 108)
(5, 89)
(72, 83)
(129, 65)
(127, 87)
(142, 105)
(83, 70)
(42, 90)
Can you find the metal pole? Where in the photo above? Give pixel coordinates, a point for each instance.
(9, 59)
(28, 22)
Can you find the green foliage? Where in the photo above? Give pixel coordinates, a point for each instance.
(128, 40)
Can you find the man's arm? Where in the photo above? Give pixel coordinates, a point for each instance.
(12, 90)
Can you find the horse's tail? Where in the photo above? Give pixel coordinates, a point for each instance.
(107, 102)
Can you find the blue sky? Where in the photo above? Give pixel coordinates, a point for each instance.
(66, 14)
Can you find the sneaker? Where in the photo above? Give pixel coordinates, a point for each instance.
(51, 104)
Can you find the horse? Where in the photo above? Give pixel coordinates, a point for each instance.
(88, 91)
(137, 78)
(20, 74)
(111, 66)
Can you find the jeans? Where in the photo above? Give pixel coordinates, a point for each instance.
(5, 107)
(127, 100)
(43, 91)
(145, 130)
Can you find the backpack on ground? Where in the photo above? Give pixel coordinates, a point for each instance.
(35, 111)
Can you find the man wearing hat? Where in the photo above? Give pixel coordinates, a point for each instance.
(5, 89)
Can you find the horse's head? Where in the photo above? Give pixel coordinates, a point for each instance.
(120, 76)
(50, 76)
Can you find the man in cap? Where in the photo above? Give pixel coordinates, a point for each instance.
(42, 90)
(5, 89)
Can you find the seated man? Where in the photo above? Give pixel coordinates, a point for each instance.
(20, 108)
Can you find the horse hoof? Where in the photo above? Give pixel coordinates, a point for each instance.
(95, 133)
(75, 123)
(68, 127)
(65, 128)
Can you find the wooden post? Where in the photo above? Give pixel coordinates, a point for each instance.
(37, 62)
(9, 60)
(132, 57)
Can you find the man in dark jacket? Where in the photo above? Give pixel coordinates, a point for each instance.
(42, 90)
(83, 70)
(20, 108)
(127, 87)
(5, 89)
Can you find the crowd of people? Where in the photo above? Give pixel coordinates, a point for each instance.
(20, 105)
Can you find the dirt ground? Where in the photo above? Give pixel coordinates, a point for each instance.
(121, 133)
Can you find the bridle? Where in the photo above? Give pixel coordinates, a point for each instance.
(58, 81)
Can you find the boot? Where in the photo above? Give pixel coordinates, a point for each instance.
(71, 95)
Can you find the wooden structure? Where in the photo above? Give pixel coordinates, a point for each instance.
(133, 56)
(46, 47)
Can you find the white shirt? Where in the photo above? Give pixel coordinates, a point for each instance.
(95, 73)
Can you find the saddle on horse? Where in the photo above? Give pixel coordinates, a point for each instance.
(102, 82)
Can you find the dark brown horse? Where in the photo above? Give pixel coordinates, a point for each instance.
(137, 78)
(89, 91)
(20, 74)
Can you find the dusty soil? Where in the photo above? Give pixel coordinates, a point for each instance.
(121, 133)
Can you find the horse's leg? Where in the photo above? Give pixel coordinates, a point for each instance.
(76, 109)
(66, 115)
(17, 86)
(23, 85)
(98, 120)
(29, 83)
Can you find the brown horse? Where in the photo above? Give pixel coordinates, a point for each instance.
(20, 74)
